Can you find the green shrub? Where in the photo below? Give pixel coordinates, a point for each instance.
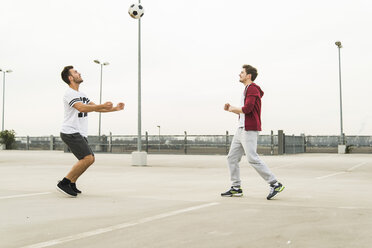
(7, 137)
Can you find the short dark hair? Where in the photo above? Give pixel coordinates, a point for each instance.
(251, 70)
(65, 73)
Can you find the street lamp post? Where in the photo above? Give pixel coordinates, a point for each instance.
(159, 137)
(342, 147)
(139, 138)
(100, 93)
(4, 71)
(139, 157)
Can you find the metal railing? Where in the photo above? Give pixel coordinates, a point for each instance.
(200, 144)
(174, 144)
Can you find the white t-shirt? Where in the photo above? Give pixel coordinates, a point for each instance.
(242, 116)
(74, 121)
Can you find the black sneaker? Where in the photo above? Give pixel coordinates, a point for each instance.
(73, 187)
(275, 189)
(66, 189)
(233, 191)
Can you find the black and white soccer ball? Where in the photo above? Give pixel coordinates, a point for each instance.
(136, 11)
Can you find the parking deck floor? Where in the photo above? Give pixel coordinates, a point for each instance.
(175, 202)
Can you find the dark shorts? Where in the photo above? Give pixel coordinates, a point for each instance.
(78, 144)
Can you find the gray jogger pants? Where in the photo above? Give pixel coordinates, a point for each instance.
(246, 141)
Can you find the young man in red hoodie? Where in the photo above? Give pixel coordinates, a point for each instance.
(245, 138)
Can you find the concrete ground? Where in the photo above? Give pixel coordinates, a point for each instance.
(175, 202)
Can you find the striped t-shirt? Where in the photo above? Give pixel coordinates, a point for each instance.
(74, 121)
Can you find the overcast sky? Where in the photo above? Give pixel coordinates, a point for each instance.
(192, 53)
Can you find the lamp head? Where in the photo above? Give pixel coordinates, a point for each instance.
(338, 43)
(8, 71)
(106, 63)
(97, 61)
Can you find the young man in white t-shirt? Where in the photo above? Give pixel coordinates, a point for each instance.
(74, 130)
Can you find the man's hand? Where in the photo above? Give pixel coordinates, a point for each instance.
(120, 106)
(226, 107)
(108, 107)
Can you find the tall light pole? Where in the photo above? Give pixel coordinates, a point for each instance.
(339, 45)
(139, 157)
(100, 93)
(139, 141)
(159, 137)
(4, 71)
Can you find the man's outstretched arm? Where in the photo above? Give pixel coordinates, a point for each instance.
(91, 107)
(233, 109)
(119, 106)
(247, 108)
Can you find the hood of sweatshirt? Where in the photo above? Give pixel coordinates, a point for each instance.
(255, 90)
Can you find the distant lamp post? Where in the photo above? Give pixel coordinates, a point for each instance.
(159, 137)
(4, 71)
(100, 93)
(342, 146)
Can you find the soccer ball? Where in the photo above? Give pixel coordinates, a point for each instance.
(136, 11)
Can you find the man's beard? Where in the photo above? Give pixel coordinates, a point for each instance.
(78, 81)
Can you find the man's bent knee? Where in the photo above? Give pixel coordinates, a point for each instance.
(89, 159)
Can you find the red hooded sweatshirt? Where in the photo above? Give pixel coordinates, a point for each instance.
(252, 108)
